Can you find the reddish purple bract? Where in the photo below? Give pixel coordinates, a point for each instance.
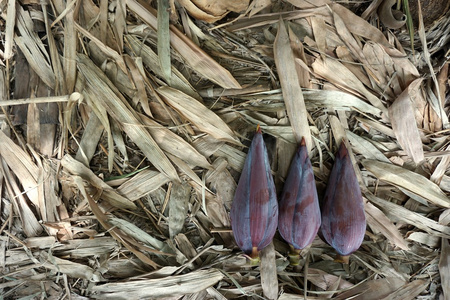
(299, 218)
(343, 219)
(254, 212)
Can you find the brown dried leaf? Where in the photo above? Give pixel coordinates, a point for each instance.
(328, 69)
(23, 167)
(200, 14)
(30, 224)
(89, 140)
(160, 287)
(72, 269)
(9, 32)
(178, 206)
(129, 243)
(399, 213)
(192, 54)
(113, 102)
(409, 291)
(172, 143)
(378, 221)
(269, 278)
(359, 26)
(33, 48)
(444, 267)
(373, 289)
(292, 92)
(76, 168)
(150, 59)
(408, 180)
(202, 117)
(404, 123)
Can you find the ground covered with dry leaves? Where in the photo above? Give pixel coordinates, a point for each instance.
(118, 173)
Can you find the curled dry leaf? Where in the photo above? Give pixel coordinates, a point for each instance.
(390, 17)
(211, 10)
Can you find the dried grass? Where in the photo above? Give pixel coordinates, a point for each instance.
(128, 196)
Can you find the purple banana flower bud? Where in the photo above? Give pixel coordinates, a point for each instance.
(254, 212)
(299, 218)
(343, 218)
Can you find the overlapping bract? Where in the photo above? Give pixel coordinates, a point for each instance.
(299, 218)
(254, 212)
(343, 219)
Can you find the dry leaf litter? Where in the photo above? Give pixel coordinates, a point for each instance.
(125, 125)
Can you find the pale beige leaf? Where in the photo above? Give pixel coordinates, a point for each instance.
(372, 289)
(150, 59)
(377, 126)
(399, 213)
(404, 124)
(9, 32)
(202, 117)
(79, 248)
(192, 54)
(183, 167)
(337, 100)
(108, 51)
(128, 242)
(30, 224)
(163, 41)
(111, 100)
(324, 280)
(308, 3)
(389, 81)
(425, 239)
(89, 141)
(257, 5)
(359, 26)
(79, 169)
(70, 50)
(172, 143)
(161, 287)
(292, 92)
(21, 164)
(36, 60)
(408, 180)
(234, 156)
(72, 269)
(444, 267)
(377, 220)
(328, 69)
(178, 206)
(200, 14)
(365, 147)
(142, 184)
(137, 233)
(269, 278)
(221, 181)
(409, 291)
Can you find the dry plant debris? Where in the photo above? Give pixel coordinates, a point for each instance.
(124, 126)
